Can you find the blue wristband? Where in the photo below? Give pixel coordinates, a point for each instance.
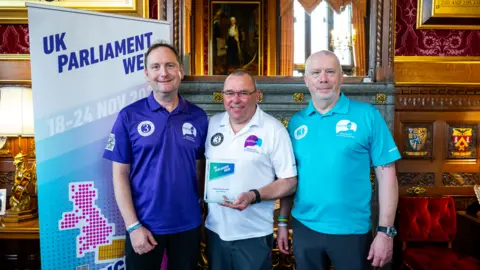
(134, 226)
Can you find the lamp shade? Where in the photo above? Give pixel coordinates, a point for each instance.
(16, 111)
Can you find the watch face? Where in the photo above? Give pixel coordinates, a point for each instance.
(391, 232)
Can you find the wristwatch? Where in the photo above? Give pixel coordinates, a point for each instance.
(257, 196)
(389, 231)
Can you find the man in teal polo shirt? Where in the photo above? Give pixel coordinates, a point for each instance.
(335, 141)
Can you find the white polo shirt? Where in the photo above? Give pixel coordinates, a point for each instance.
(263, 152)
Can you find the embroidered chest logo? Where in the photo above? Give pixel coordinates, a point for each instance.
(346, 128)
(251, 142)
(189, 131)
(145, 128)
(300, 132)
(216, 139)
(111, 142)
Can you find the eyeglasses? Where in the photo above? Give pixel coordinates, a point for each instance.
(240, 94)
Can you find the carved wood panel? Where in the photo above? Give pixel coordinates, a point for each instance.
(454, 116)
(437, 99)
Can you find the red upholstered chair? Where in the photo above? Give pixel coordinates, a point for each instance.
(430, 220)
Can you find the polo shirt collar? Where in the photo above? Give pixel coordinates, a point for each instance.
(154, 105)
(256, 120)
(341, 107)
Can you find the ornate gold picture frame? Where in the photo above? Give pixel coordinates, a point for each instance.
(448, 14)
(15, 12)
(235, 37)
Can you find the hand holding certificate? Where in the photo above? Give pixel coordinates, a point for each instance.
(219, 176)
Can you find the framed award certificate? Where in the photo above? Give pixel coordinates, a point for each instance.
(219, 176)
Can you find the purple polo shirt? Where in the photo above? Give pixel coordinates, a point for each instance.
(161, 148)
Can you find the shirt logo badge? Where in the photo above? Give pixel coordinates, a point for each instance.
(145, 128)
(111, 142)
(300, 132)
(216, 139)
(189, 131)
(251, 142)
(345, 128)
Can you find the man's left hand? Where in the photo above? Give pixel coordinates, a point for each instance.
(381, 250)
(242, 201)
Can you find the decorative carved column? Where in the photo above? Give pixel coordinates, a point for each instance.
(172, 11)
(287, 40)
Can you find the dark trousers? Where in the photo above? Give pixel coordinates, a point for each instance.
(245, 254)
(314, 250)
(183, 252)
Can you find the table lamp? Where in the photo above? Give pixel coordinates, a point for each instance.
(16, 120)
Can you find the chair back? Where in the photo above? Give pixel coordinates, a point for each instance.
(426, 219)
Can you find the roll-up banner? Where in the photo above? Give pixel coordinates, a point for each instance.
(86, 66)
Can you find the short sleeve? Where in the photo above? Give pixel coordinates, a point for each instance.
(282, 157)
(119, 148)
(204, 131)
(383, 149)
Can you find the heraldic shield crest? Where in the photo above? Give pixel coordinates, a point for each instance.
(417, 137)
(462, 144)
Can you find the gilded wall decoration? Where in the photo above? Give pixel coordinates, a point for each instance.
(414, 191)
(416, 179)
(418, 141)
(217, 97)
(31, 148)
(380, 98)
(445, 14)
(298, 97)
(460, 179)
(462, 142)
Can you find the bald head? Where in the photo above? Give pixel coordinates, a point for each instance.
(320, 54)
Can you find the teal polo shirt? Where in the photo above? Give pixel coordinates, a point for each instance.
(334, 153)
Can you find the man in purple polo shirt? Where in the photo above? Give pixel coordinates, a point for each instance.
(154, 145)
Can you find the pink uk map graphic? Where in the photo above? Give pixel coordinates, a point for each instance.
(94, 228)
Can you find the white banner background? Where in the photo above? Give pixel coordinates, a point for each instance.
(80, 82)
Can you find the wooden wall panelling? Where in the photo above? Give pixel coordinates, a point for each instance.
(442, 107)
(438, 70)
(15, 69)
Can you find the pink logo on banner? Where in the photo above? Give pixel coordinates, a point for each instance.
(86, 216)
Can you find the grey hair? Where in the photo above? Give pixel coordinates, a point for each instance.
(324, 52)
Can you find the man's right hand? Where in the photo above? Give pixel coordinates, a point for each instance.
(282, 240)
(142, 240)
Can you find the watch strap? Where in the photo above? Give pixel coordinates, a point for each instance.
(389, 231)
(257, 196)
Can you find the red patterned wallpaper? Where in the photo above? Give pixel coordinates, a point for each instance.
(413, 42)
(15, 37)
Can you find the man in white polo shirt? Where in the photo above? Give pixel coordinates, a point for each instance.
(240, 229)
